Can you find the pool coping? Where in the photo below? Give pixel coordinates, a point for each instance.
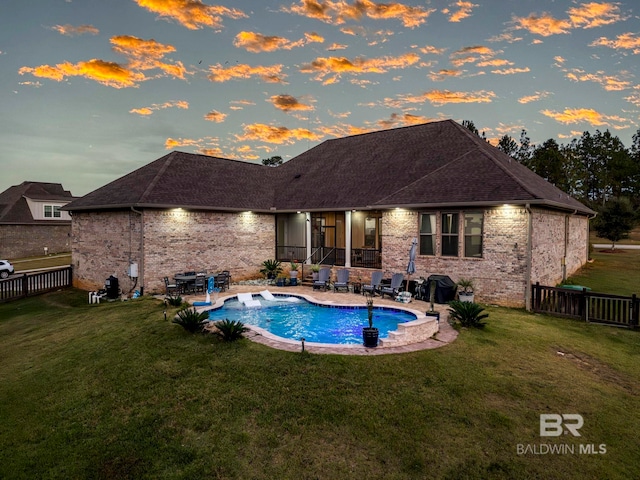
(445, 334)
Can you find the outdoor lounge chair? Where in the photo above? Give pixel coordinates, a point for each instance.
(247, 300)
(323, 278)
(342, 280)
(393, 289)
(267, 295)
(376, 278)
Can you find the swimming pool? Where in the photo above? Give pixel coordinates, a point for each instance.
(335, 324)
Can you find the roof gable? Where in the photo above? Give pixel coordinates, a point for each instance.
(14, 207)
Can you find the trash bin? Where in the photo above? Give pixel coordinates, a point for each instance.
(111, 285)
(575, 287)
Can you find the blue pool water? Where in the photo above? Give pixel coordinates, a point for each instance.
(315, 323)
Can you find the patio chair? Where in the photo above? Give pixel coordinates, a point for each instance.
(199, 283)
(170, 288)
(221, 281)
(228, 282)
(342, 280)
(376, 278)
(393, 289)
(323, 279)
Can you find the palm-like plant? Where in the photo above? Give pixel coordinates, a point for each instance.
(468, 314)
(191, 320)
(271, 268)
(230, 330)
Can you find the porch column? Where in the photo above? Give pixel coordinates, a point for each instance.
(308, 235)
(347, 240)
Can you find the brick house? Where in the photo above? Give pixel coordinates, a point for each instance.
(355, 202)
(32, 220)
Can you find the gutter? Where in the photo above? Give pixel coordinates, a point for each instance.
(141, 262)
(529, 256)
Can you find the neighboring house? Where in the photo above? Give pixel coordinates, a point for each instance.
(31, 220)
(356, 202)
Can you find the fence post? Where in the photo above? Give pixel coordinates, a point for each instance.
(585, 305)
(25, 285)
(635, 311)
(535, 294)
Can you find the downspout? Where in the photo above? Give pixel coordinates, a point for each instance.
(347, 234)
(141, 263)
(527, 288)
(566, 244)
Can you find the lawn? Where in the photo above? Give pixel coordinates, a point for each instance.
(616, 272)
(114, 391)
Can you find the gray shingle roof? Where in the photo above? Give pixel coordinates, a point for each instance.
(434, 164)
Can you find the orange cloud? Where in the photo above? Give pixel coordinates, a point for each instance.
(147, 55)
(464, 11)
(145, 111)
(279, 135)
(544, 25)
(215, 116)
(402, 119)
(472, 54)
(338, 65)
(533, 98)
(192, 14)
(578, 115)
(431, 50)
(441, 97)
(239, 104)
(110, 74)
(72, 31)
(444, 74)
(625, 41)
(511, 71)
(288, 103)
(336, 46)
(270, 74)
(337, 12)
(256, 42)
(590, 15)
(201, 145)
(610, 83)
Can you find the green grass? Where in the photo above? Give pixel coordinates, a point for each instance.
(30, 263)
(114, 391)
(617, 273)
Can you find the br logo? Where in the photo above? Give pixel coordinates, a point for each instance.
(554, 425)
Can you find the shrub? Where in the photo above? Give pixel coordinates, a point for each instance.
(468, 314)
(174, 300)
(230, 330)
(191, 320)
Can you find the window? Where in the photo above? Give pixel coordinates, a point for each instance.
(427, 234)
(449, 234)
(51, 211)
(473, 234)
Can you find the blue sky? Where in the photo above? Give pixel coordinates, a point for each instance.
(92, 89)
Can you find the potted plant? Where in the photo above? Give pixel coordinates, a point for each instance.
(315, 268)
(281, 280)
(271, 268)
(432, 295)
(293, 273)
(465, 290)
(370, 333)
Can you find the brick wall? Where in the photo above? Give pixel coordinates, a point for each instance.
(548, 244)
(103, 245)
(500, 276)
(177, 241)
(174, 241)
(18, 241)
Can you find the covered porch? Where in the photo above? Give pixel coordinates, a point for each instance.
(350, 238)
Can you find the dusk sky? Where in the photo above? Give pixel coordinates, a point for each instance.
(93, 89)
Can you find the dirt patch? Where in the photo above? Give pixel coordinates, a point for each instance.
(603, 371)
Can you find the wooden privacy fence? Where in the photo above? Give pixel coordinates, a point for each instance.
(586, 305)
(35, 283)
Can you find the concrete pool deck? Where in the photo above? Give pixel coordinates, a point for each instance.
(445, 335)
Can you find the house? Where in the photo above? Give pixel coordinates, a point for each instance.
(31, 220)
(356, 202)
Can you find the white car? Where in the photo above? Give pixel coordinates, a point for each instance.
(6, 268)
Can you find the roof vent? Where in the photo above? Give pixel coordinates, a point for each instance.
(298, 175)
